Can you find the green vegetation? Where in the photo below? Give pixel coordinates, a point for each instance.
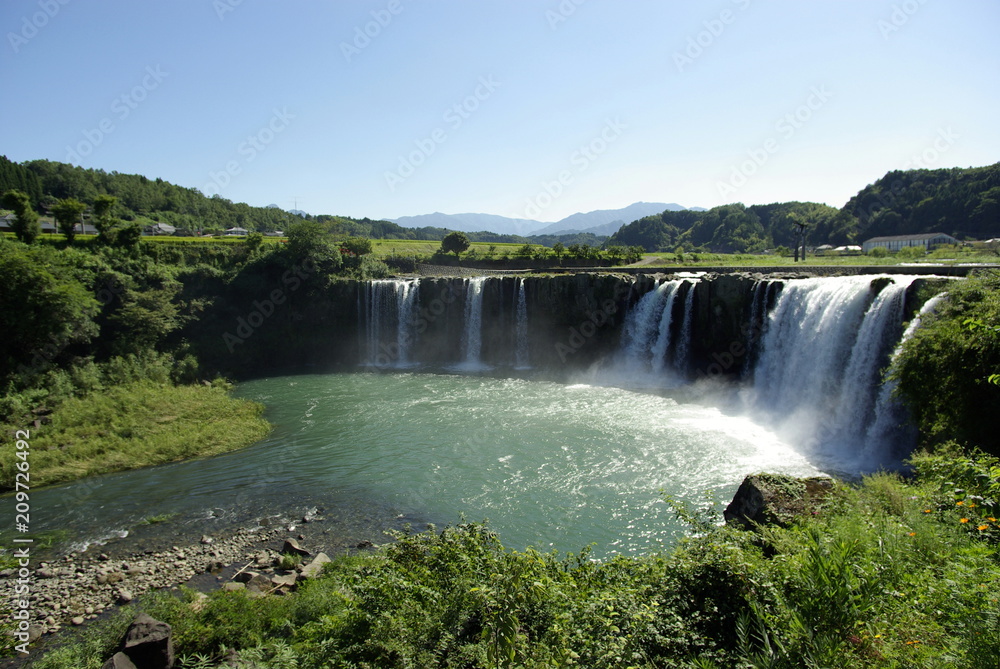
(886, 574)
(960, 202)
(68, 213)
(113, 348)
(736, 228)
(454, 242)
(944, 371)
(140, 199)
(135, 425)
(25, 224)
(945, 255)
(964, 203)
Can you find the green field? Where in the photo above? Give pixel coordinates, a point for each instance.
(135, 425)
(977, 254)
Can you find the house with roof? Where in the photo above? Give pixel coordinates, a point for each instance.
(927, 241)
(236, 232)
(8, 220)
(159, 229)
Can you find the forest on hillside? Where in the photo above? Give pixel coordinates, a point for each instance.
(964, 203)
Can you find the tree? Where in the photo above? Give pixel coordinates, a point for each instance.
(103, 220)
(558, 250)
(359, 246)
(129, 235)
(945, 370)
(44, 309)
(310, 246)
(68, 213)
(253, 243)
(455, 242)
(615, 253)
(26, 225)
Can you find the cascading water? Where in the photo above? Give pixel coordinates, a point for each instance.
(388, 303)
(406, 305)
(639, 326)
(521, 358)
(662, 346)
(682, 358)
(553, 464)
(856, 405)
(817, 374)
(472, 338)
(890, 427)
(647, 335)
(758, 311)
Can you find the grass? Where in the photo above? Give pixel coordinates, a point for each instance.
(946, 256)
(136, 425)
(885, 574)
(409, 247)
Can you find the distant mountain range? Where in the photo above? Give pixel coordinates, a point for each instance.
(602, 222)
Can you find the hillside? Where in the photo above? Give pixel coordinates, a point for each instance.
(471, 223)
(964, 203)
(601, 222)
(147, 201)
(736, 228)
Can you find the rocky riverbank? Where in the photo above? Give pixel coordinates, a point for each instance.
(73, 589)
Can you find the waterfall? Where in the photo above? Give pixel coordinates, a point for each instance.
(825, 342)
(406, 306)
(855, 407)
(521, 358)
(389, 309)
(662, 345)
(890, 429)
(682, 358)
(472, 338)
(758, 310)
(647, 334)
(640, 325)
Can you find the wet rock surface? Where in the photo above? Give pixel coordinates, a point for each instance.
(70, 591)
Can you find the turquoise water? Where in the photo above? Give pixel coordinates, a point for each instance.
(549, 465)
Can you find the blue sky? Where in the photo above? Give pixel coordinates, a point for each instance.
(523, 108)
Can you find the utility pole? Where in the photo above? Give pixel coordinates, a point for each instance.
(801, 225)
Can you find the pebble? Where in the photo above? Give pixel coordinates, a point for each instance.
(73, 589)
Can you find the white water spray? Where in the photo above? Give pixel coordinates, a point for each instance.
(824, 346)
(390, 302)
(472, 338)
(521, 358)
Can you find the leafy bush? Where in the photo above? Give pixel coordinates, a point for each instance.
(944, 371)
(884, 574)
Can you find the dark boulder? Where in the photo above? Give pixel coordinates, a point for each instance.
(775, 499)
(147, 645)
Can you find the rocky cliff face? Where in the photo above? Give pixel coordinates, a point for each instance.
(570, 322)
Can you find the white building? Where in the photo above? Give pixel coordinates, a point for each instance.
(927, 240)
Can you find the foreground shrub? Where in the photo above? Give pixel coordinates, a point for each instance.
(884, 574)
